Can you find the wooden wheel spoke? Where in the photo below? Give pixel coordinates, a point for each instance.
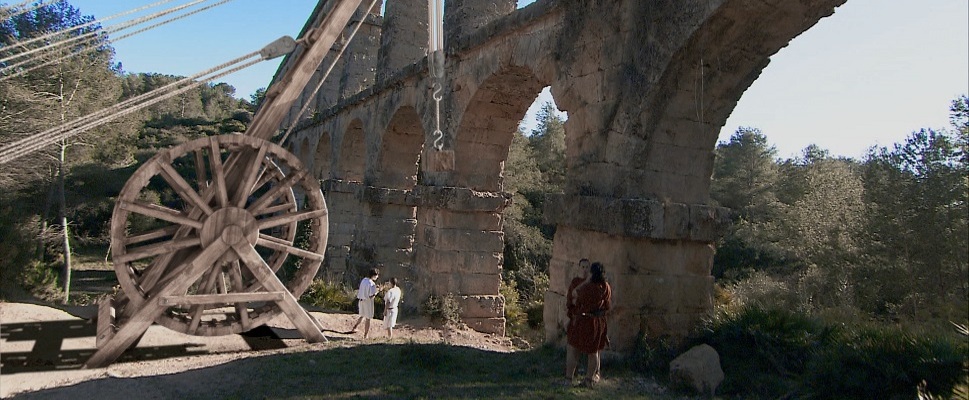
(155, 249)
(239, 286)
(160, 212)
(270, 242)
(152, 235)
(284, 219)
(210, 277)
(276, 191)
(249, 178)
(268, 174)
(200, 174)
(275, 209)
(184, 189)
(218, 172)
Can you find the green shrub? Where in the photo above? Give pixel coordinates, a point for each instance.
(444, 309)
(329, 295)
(42, 280)
(771, 353)
(516, 319)
(653, 355)
(536, 313)
(763, 352)
(885, 363)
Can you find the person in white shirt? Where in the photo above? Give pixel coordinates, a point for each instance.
(365, 295)
(391, 301)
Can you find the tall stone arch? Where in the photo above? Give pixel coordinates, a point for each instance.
(351, 161)
(323, 157)
(400, 149)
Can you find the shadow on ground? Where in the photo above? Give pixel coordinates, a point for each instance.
(366, 371)
(48, 354)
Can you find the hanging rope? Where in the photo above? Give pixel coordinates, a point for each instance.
(88, 48)
(326, 74)
(111, 29)
(38, 141)
(435, 64)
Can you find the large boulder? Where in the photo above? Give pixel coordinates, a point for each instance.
(698, 368)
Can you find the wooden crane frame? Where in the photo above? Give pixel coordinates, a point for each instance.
(209, 238)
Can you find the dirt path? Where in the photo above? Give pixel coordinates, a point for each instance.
(42, 347)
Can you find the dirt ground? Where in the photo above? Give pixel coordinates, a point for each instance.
(42, 347)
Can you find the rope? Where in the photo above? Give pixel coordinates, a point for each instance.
(94, 40)
(435, 64)
(319, 85)
(82, 26)
(111, 29)
(38, 141)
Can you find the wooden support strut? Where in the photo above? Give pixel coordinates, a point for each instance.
(274, 109)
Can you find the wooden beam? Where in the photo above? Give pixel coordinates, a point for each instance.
(215, 299)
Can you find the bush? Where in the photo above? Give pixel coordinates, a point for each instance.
(42, 280)
(771, 353)
(763, 352)
(885, 363)
(516, 319)
(653, 356)
(328, 295)
(443, 309)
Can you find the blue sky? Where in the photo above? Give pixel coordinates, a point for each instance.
(869, 75)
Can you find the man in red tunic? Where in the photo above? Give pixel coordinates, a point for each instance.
(570, 361)
(587, 330)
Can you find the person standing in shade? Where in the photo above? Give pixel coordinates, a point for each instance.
(570, 356)
(391, 301)
(588, 333)
(365, 295)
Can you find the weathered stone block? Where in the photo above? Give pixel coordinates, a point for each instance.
(473, 262)
(485, 221)
(461, 199)
(555, 318)
(482, 306)
(478, 284)
(486, 325)
(460, 239)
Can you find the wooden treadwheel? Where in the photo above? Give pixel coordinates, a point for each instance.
(187, 199)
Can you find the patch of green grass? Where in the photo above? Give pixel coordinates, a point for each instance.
(399, 371)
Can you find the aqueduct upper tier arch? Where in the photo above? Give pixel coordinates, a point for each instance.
(647, 86)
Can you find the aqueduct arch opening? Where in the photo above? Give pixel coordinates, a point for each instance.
(323, 156)
(647, 86)
(400, 151)
(490, 120)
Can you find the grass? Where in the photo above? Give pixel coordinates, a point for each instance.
(401, 370)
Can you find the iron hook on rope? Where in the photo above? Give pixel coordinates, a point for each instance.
(438, 134)
(435, 64)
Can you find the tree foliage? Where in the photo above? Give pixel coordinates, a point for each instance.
(63, 84)
(884, 237)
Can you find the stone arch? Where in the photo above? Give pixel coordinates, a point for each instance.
(399, 155)
(303, 151)
(323, 160)
(488, 124)
(352, 159)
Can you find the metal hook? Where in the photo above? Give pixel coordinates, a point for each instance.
(438, 134)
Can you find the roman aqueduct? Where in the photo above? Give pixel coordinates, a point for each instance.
(647, 86)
